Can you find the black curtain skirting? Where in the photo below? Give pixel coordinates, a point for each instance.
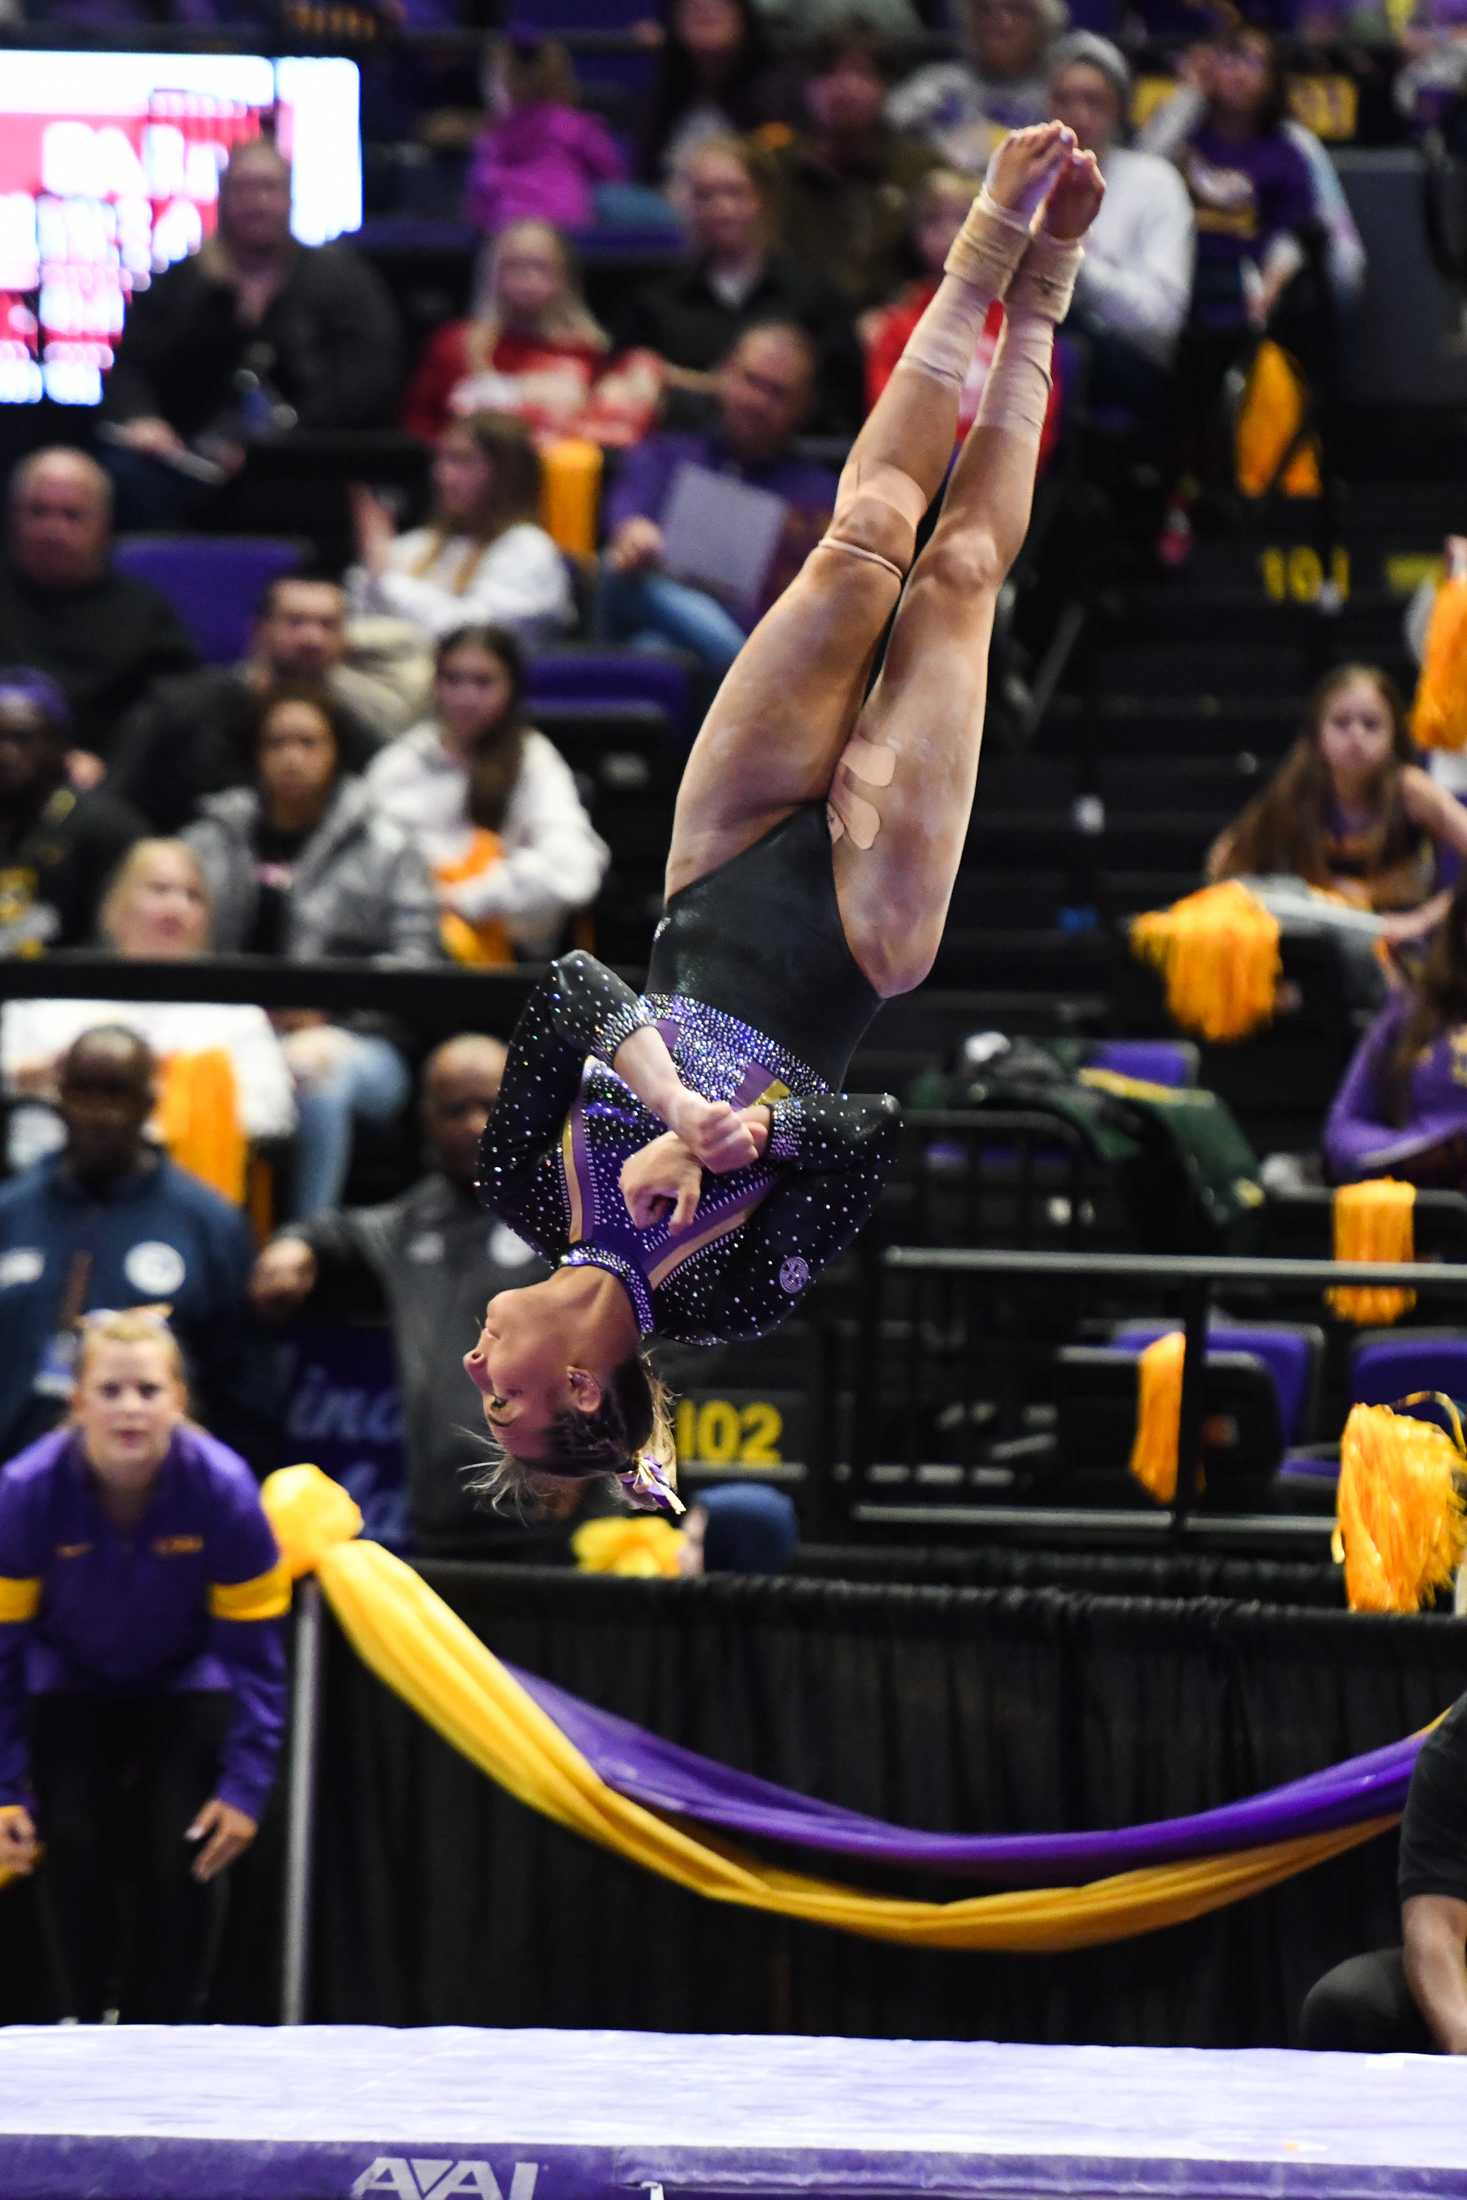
(1096, 1572)
(442, 1902)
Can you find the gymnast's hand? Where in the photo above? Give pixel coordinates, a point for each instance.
(661, 1183)
(714, 1133)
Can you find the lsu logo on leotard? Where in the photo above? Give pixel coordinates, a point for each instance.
(415, 2177)
(177, 1546)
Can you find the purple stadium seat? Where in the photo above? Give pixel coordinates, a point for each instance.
(1153, 1061)
(599, 679)
(1290, 1351)
(212, 581)
(1306, 1481)
(1384, 1369)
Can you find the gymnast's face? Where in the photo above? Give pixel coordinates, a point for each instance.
(522, 1368)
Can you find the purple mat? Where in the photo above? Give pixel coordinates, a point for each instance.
(339, 2113)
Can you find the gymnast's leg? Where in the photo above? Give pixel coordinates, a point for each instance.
(903, 791)
(787, 706)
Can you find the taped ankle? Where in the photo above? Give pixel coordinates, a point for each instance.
(989, 246)
(1045, 281)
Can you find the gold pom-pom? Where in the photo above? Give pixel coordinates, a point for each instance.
(1374, 1220)
(1218, 951)
(641, 1545)
(1159, 1415)
(1439, 714)
(1399, 1524)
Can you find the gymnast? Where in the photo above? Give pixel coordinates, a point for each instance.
(686, 1160)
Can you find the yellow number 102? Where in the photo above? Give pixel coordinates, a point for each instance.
(718, 1433)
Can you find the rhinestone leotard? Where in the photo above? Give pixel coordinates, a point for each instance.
(564, 1123)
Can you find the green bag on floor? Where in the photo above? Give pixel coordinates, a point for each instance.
(1180, 1164)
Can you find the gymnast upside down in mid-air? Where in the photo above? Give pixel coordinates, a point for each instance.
(686, 1159)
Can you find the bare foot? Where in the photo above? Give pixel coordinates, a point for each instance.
(1027, 163)
(1074, 200)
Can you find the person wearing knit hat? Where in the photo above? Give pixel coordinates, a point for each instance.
(963, 107)
(1101, 54)
(59, 844)
(1134, 288)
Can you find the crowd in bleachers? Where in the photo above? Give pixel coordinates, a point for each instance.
(297, 646)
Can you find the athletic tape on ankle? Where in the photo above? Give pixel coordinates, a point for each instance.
(1044, 282)
(989, 246)
(849, 810)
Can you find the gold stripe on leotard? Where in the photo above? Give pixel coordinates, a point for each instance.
(572, 1184)
(708, 1235)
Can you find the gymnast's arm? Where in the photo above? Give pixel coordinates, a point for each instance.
(836, 1150)
(579, 1009)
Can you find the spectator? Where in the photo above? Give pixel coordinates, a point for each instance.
(1428, 90)
(843, 182)
(939, 209)
(1349, 811)
(738, 275)
(1170, 125)
(540, 158)
(110, 1221)
(1257, 221)
(429, 1257)
(889, 19)
(1136, 282)
(142, 1676)
(1411, 2000)
(764, 395)
(533, 350)
(58, 845)
(193, 737)
(482, 555)
(965, 107)
(300, 865)
(1402, 1108)
(251, 336)
(716, 79)
(104, 638)
(492, 805)
(156, 909)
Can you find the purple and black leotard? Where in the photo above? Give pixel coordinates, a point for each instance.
(758, 998)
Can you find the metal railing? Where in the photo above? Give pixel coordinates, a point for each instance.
(980, 1297)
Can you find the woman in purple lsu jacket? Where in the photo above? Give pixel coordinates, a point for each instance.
(142, 1675)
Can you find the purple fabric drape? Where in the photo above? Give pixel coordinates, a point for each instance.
(683, 1784)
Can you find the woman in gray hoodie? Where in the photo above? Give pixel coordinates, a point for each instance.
(300, 864)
